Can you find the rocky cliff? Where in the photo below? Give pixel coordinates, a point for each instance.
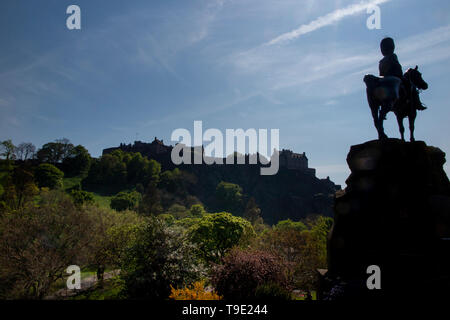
(394, 213)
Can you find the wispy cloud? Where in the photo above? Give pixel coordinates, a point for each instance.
(326, 20)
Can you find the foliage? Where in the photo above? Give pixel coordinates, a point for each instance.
(48, 176)
(252, 213)
(77, 162)
(178, 211)
(7, 149)
(55, 152)
(290, 225)
(112, 234)
(125, 200)
(197, 211)
(120, 168)
(302, 246)
(243, 271)
(272, 291)
(215, 233)
(229, 197)
(37, 243)
(195, 292)
(19, 187)
(159, 257)
(81, 197)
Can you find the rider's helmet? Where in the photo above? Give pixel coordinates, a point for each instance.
(387, 46)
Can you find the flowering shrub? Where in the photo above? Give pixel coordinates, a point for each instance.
(196, 292)
(243, 271)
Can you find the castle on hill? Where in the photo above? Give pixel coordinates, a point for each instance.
(157, 150)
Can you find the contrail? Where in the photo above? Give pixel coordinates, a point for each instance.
(326, 20)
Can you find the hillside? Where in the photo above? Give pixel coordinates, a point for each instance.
(294, 192)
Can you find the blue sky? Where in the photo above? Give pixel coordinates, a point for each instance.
(140, 69)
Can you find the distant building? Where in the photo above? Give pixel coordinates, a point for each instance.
(159, 151)
(295, 161)
(155, 148)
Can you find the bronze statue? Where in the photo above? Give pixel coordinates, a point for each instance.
(394, 91)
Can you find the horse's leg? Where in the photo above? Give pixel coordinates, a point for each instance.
(412, 119)
(382, 115)
(374, 111)
(400, 126)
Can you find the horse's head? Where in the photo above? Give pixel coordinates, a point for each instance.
(416, 78)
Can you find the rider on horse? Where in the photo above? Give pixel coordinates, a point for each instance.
(389, 66)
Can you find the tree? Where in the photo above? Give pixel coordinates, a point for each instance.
(77, 161)
(303, 246)
(229, 197)
(112, 234)
(20, 187)
(217, 232)
(243, 271)
(290, 225)
(197, 210)
(252, 212)
(25, 151)
(160, 257)
(49, 176)
(7, 149)
(55, 152)
(125, 200)
(38, 243)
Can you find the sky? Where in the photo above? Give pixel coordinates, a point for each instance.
(140, 69)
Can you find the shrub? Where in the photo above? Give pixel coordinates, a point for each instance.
(81, 197)
(243, 271)
(125, 201)
(195, 292)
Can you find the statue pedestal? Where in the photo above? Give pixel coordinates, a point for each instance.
(394, 213)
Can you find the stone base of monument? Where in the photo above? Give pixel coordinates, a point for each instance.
(394, 214)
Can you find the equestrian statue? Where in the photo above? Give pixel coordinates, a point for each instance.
(394, 91)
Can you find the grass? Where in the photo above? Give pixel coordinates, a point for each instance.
(299, 297)
(100, 197)
(71, 182)
(111, 290)
(102, 201)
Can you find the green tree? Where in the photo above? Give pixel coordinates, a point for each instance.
(160, 257)
(78, 161)
(7, 149)
(229, 197)
(215, 233)
(197, 210)
(49, 176)
(37, 244)
(112, 234)
(290, 225)
(252, 212)
(55, 152)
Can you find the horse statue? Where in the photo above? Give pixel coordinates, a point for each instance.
(390, 93)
